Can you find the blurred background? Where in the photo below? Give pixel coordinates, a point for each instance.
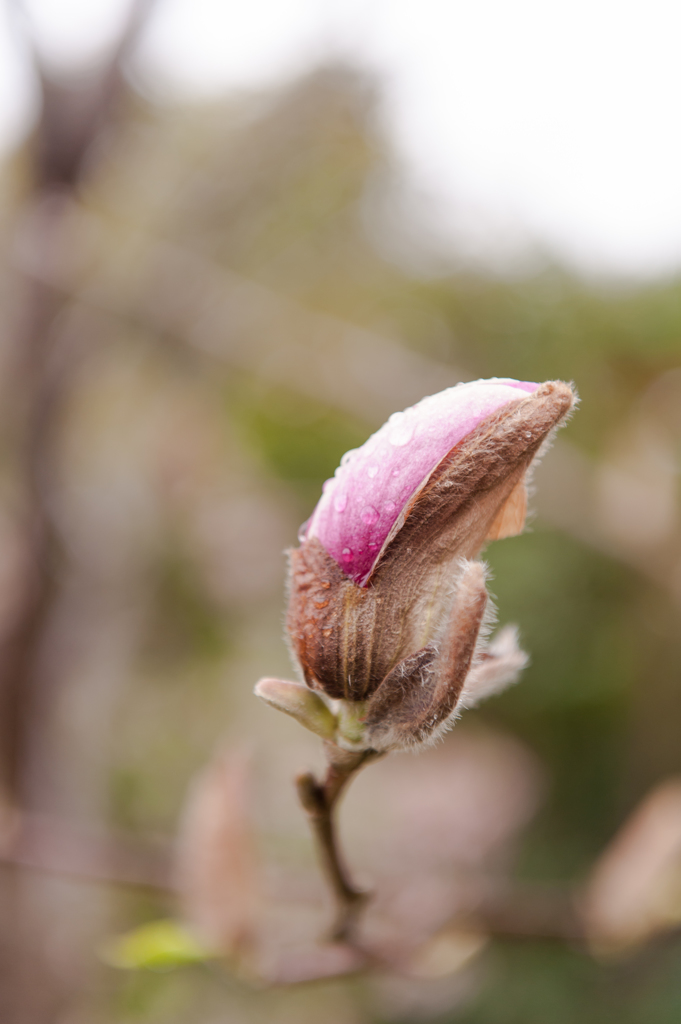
(233, 241)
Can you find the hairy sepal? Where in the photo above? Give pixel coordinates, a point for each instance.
(418, 698)
(497, 668)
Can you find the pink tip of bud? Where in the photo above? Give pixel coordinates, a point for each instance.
(361, 503)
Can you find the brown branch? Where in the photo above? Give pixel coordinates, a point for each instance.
(320, 801)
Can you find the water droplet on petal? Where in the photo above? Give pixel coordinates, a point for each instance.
(369, 515)
(389, 506)
(372, 471)
(401, 430)
(348, 455)
(326, 485)
(396, 472)
(347, 554)
(339, 502)
(302, 531)
(372, 547)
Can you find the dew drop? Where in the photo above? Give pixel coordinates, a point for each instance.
(372, 547)
(369, 515)
(372, 471)
(401, 431)
(396, 472)
(347, 554)
(340, 502)
(302, 530)
(348, 455)
(389, 506)
(326, 485)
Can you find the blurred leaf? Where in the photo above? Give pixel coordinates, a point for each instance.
(158, 946)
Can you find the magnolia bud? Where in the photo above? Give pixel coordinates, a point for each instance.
(386, 598)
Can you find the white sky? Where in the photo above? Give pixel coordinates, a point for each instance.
(554, 120)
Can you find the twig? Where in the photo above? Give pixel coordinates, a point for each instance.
(320, 800)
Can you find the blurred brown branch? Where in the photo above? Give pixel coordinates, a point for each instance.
(74, 113)
(48, 844)
(495, 908)
(73, 116)
(185, 297)
(45, 843)
(71, 121)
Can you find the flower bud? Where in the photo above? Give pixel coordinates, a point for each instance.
(386, 599)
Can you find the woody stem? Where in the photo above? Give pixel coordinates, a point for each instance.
(319, 800)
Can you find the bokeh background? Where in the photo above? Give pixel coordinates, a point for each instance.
(232, 243)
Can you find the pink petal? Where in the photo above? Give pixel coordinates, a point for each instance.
(361, 503)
